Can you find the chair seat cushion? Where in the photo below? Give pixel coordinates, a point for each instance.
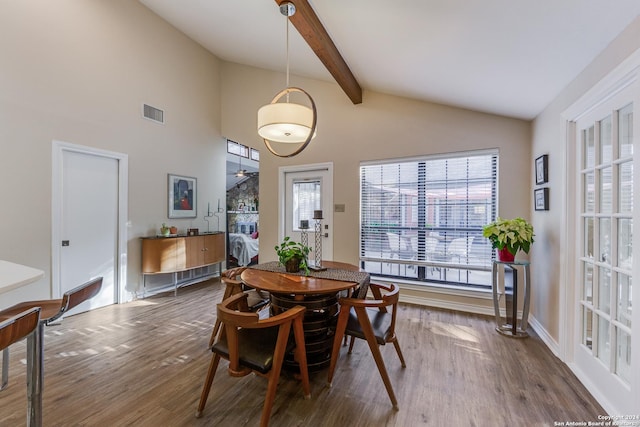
(380, 322)
(255, 300)
(48, 309)
(256, 347)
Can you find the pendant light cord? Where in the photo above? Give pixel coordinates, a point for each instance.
(287, 22)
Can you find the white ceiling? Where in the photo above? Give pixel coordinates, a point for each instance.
(508, 57)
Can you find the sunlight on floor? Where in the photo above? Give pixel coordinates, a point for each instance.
(141, 303)
(460, 332)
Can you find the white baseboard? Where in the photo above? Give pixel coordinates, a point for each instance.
(545, 337)
(445, 304)
(595, 392)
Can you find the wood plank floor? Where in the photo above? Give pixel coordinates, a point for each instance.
(143, 364)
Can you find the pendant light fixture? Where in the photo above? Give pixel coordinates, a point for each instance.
(287, 122)
(240, 172)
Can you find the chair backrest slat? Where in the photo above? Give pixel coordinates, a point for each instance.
(80, 294)
(230, 276)
(18, 327)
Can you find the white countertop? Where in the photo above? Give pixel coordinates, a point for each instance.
(14, 275)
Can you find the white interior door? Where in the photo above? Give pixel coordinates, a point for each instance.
(86, 225)
(308, 188)
(605, 334)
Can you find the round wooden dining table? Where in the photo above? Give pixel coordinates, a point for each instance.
(299, 285)
(318, 293)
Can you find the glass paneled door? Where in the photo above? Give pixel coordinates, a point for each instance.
(308, 188)
(604, 334)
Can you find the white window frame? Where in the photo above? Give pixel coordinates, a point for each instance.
(422, 282)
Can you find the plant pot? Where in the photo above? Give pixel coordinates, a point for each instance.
(505, 256)
(293, 265)
(173, 230)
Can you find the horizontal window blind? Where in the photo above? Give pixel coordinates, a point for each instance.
(306, 199)
(422, 219)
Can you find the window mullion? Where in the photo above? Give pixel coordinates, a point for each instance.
(416, 213)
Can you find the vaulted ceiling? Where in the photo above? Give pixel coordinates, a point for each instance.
(499, 56)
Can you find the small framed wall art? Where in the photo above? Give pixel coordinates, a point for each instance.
(541, 199)
(542, 169)
(182, 196)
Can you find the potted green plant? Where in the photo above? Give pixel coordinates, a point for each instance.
(164, 230)
(508, 236)
(293, 255)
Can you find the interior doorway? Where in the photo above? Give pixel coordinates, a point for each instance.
(243, 214)
(89, 205)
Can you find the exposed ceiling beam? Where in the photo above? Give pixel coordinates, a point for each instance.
(313, 32)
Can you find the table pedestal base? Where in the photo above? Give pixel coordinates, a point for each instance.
(507, 289)
(319, 326)
(507, 330)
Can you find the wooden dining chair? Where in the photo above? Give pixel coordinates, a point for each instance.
(370, 319)
(256, 299)
(251, 344)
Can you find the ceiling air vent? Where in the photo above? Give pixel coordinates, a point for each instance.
(153, 113)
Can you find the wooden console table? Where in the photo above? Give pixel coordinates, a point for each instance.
(162, 255)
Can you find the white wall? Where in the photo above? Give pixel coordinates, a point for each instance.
(549, 138)
(78, 71)
(381, 127)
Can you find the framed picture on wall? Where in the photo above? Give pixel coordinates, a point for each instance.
(542, 169)
(541, 199)
(182, 196)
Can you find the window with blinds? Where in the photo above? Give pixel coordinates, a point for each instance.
(422, 219)
(306, 199)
